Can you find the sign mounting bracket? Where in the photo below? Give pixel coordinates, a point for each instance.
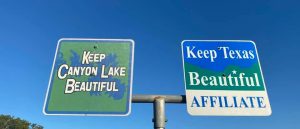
(159, 102)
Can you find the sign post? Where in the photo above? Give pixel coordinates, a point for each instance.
(91, 77)
(224, 78)
(159, 116)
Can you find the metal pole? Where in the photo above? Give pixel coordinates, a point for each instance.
(159, 101)
(151, 98)
(159, 113)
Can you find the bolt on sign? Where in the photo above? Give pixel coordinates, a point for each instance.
(91, 77)
(224, 77)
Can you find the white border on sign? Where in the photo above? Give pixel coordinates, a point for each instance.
(130, 85)
(262, 75)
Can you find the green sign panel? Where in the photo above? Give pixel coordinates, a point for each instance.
(91, 77)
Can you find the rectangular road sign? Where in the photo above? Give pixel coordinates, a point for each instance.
(91, 77)
(224, 78)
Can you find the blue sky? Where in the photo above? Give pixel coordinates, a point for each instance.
(29, 31)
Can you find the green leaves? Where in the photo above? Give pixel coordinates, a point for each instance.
(10, 122)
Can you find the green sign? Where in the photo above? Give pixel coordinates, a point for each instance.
(91, 77)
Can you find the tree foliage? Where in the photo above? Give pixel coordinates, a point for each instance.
(10, 122)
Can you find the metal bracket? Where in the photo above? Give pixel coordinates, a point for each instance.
(159, 101)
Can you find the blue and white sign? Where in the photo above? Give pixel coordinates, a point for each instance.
(224, 77)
